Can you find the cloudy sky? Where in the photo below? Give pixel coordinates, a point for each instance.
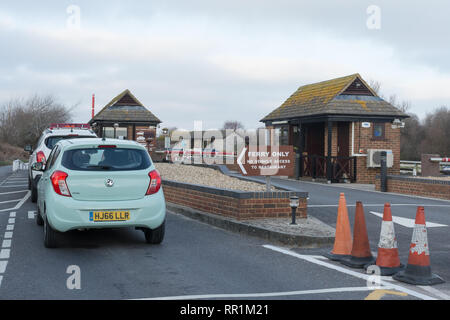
(214, 60)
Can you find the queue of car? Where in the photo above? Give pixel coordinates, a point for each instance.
(85, 182)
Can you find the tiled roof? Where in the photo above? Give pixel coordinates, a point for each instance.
(125, 107)
(323, 98)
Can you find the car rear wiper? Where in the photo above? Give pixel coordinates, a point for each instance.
(100, 167)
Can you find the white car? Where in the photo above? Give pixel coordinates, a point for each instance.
(49, 138)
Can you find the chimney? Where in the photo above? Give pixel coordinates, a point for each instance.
(93, 106)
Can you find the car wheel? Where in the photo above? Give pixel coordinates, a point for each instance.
(34, 193)
(155, 236)
(39, 220)
(49, 235)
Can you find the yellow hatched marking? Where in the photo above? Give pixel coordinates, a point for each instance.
(378, 294)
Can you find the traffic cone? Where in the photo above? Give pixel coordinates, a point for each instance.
(418, 270)
(388, 260)
(361, 254)
(343, 238)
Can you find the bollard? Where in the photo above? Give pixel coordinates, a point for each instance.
(294, 205)
(383, 171)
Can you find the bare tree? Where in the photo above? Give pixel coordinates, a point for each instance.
(22, 121)
(233, 125)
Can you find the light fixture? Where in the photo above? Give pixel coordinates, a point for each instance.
(293, 202)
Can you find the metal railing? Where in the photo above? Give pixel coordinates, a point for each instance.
(415, 167)
(19, 165)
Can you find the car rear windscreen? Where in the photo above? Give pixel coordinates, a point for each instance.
(52, 141)
(109, 159)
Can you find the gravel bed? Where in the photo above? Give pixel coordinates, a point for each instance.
(206, 177)
(311, 227)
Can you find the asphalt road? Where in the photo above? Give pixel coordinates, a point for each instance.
(195, 261)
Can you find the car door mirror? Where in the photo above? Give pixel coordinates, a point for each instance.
(28, 148)
(37, 166)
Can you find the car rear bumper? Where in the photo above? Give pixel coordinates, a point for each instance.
(65, 214)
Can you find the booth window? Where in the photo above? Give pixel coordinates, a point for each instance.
(379, 131)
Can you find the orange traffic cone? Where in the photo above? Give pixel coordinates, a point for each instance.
(388, 260)
(343, 238)
(418, 270)
(361, 254)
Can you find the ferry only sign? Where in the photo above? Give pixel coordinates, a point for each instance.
(268, 161)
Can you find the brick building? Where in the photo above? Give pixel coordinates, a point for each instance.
(125, 117)
(336, 126)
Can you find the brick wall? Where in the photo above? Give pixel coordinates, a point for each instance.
(417, 186)
(364, 140)
(237, 204)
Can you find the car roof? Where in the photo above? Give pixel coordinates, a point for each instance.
(66, 132)
(90, 142)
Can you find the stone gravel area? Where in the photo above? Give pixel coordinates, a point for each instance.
(306, 227)
(206, 177)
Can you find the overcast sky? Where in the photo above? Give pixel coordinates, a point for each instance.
(220, 60)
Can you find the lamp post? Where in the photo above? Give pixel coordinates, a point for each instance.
(294, 205)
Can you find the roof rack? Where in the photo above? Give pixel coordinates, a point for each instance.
(54, 126)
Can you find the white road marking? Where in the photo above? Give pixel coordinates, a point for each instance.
(407, 222)
(10, 201)
(436, 292)
(3, 265)
(17, 207)
(4, 253)
(31, 214)
(366, 277)
(6, 244)
(381, 205)
(14, 186)
(261, 295)
(13, 192)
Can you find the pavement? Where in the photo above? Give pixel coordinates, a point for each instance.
(195, 261)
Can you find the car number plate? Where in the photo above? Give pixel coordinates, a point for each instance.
(108, 216)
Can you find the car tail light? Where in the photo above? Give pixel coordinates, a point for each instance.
(107, 147)
(58, 179)
(155, 183)
(40, 157)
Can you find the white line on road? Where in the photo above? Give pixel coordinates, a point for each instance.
(6, 244)
(8, 235)
(349, 272)
(14, 186)
(13, 192)
(10, 227)
(436, 292)
(380, 205)
(3, 266)
(31, 214)
(10, 201)
(12, 215)
(409, 223)
(261, 295)
(17, 207)
(4, 253)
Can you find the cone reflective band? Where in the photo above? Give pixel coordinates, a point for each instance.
(387, 259)
(343, 238)
(361, 254)
(418, 270)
